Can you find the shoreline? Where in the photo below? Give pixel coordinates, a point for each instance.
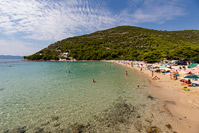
(63, 60)
(182, 105)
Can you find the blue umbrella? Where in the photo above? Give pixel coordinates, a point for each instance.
(149, 66)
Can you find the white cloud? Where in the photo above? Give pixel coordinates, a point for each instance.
(45, 20)
(54, 20)
(51, 20)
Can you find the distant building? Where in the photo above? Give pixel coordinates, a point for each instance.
(65, 54)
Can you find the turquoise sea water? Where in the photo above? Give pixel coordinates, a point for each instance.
(44, 96)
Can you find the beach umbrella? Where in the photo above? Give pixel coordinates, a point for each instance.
(192, 65)
(192, 77)
(149, 66)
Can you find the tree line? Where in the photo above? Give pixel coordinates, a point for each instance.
(126, 43)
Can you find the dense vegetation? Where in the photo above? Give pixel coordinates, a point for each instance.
(126, 42)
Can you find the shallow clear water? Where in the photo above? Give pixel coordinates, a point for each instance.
(45, 95)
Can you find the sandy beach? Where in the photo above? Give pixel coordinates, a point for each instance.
(182, 105)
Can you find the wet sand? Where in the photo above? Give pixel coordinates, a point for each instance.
(182, 105)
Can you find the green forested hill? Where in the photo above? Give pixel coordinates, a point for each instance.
(126, 42)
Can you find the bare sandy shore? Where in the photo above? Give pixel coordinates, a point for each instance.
(182, 105)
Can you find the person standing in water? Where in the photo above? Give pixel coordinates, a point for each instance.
(93, 80)
(126, 73)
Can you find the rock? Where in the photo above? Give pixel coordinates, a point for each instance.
(120, 119)
(138, 116)
(57, 124)
(39, 130)
(87, 125)
(62, 131)
(54, 118)
(149, 120)
(18, 130)
(149, 129)
(78, 128)
(153, 129)
(44, 124)
(157, 130)
(138, 126)
(169, 126)
(151, 97)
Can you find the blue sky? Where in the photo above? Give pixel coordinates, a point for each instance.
(27, 26)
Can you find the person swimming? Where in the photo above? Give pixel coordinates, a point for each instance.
(103, 72)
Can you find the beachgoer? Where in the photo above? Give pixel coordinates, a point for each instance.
(176, 75)
(93, 80)
(141, 69)
(188, 81)
(184, 67)
(170, 75)
(152, 73)
(138, 86)
(126, 73)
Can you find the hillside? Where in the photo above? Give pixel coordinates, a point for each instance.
(125, 42)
